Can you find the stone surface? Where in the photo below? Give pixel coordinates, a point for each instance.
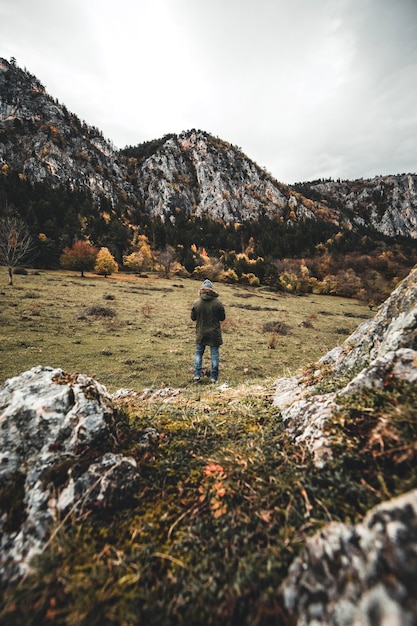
(362, 575)
(388, 203)
(56, 457)
(382, 347)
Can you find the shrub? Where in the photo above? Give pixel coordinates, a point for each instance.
(22, 271)
(100, 311)
(280, 328)
(228, 276)
(250, 279)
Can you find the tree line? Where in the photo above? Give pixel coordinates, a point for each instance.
(295, 257)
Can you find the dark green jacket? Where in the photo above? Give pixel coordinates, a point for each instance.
(208, 312)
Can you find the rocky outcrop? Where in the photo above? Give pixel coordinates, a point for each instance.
(364, 574)
(386, 203)
(57, 457)
(382, 347)
(193, 173)
(204, 176)
(41, 140)
(360, 575)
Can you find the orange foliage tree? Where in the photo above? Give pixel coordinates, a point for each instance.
(80, 257)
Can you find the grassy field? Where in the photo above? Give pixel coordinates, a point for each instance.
(133, 332)
(226, 500)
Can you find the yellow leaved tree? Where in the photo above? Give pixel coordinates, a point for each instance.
(142, 257)
(105, 263)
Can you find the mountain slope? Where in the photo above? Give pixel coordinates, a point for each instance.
(387, 203)
(203, 175)
(193, 172)
(42, 141)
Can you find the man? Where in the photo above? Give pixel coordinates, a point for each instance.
(207, 312)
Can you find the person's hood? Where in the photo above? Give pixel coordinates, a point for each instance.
(208, 293)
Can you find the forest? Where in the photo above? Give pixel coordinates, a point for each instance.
(299, 257)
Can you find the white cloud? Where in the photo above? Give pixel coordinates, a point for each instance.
(306, 89)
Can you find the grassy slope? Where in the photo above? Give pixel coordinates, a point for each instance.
(150, 339)
(226, 500)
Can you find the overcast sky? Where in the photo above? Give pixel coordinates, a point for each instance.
(306, 88)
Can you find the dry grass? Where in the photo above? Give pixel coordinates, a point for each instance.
(226, 499)
(56, 319)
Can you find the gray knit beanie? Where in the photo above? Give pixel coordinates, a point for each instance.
(207, 284)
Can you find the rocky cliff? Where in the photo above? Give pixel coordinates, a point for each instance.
(43, 141)
(388, 203)
(193, 172)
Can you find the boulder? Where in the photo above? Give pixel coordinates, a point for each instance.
(380, 348)
(364, 574)
(358, 575)
(57, 456)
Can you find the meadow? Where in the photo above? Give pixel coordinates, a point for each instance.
(135, 332)
(226, 500)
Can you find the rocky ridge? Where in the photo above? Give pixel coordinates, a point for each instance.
(43, 141)
(193, 172)
(347, 574)
(388, 203)
(383, 346)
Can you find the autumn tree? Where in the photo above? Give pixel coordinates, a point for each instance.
(16, 243)
(105, 263)
(141, 258)
(80, 257)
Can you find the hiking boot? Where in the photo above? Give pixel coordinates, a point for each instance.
(196, 379)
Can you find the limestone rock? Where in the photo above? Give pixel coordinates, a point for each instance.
(358, 575)
(365, 574)
(56, 440)
(381, 347)
(193, 173)
(387, 203)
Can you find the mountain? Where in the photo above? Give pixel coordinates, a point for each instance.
(387, 203)
(43, 141)
(193, 172)
(69, 183)
(203, 175)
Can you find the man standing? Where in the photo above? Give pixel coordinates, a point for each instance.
(207, 312)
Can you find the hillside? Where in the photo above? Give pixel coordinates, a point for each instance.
(68, 183)
(214, 505)
(387, 203)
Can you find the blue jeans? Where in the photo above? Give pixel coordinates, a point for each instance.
(198, 361)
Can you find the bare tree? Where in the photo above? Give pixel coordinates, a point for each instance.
(166, 259)
(16, 244)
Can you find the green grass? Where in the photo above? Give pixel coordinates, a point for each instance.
(225, 503)
(226, 500)
(148, 341)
